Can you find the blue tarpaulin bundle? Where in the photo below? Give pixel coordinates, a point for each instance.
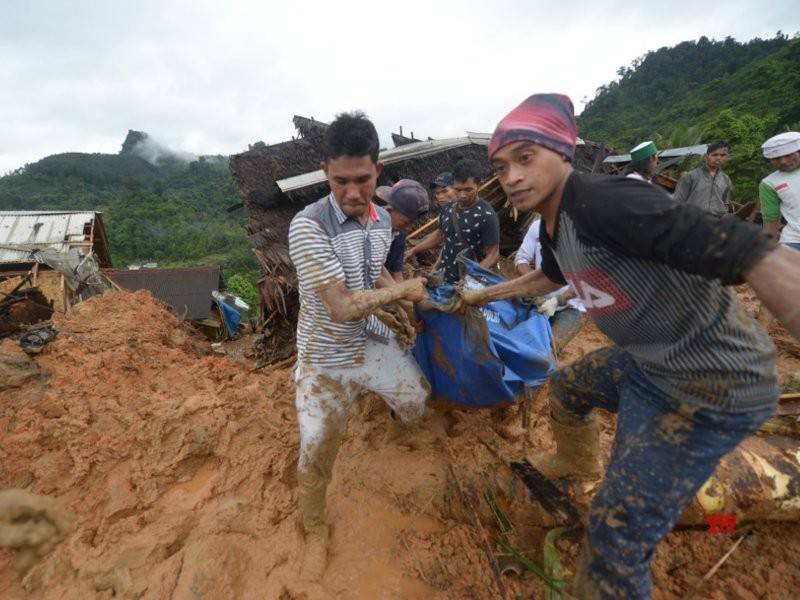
(486, 356)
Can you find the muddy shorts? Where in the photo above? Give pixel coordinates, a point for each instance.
(326, 394)
(663, 452)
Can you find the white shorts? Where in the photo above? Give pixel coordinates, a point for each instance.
(326, 394)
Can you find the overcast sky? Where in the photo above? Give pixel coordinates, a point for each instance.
(211, 77)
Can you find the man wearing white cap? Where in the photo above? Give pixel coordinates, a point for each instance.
(780, 190)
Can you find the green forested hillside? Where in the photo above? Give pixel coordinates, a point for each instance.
(698, 91)
(173, 213)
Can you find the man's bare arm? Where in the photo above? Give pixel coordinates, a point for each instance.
(773, 228)
(345, 305)
(492, 256)
(385, 279)
(431, 241)
(776, 281)
(529, 285)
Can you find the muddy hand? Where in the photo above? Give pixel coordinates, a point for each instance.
(415, 289)
(28, 520)
(30, 524)
(396, 319)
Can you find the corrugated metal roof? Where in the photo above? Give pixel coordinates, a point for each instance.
(186, 289)
(24, 231)
(387, 157)
(669, 153)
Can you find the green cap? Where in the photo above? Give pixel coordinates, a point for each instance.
(643, 151)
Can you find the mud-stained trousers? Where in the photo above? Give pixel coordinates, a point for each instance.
(663, 452)
(323, 401)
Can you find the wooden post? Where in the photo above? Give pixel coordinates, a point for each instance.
(530, 398)
(64, 294)
(423, 228)
(526, 407)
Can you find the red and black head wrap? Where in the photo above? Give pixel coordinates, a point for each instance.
(544, 119)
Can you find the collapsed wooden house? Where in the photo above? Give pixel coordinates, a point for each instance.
(276, 181)
(31, 292)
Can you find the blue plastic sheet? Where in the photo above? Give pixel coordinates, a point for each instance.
(486, 358)
(230, 315)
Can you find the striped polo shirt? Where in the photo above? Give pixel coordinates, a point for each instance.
(328, 247)
(652, 274)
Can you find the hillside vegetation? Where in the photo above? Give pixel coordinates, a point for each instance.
(703, 90)
(172, 212)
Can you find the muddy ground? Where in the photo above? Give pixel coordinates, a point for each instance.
(179, 465)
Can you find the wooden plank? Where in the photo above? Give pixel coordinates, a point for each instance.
(423, 229)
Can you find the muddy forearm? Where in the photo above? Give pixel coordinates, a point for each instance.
(386, 279)
(353, 305)
(492, 256)
(776, 281)
(529, 285)
(363, 302)
(431, 241)
(523, 268)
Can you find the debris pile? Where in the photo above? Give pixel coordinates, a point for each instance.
(179, 468)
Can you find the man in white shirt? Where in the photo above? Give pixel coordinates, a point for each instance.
(563, 308)
(780, 190)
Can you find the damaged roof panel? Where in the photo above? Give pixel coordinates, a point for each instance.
(22, 232)
(387, 157)
(669, 153)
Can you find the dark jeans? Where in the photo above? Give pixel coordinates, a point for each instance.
(663, 452)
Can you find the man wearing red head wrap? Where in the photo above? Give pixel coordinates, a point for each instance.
(690, 373)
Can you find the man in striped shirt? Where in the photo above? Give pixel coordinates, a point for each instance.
(338, 246)
(691, 373)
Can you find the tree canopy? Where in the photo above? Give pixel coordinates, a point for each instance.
(703, 90)
(174, 216)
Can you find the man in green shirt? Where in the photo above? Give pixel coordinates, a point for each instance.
(780, 190)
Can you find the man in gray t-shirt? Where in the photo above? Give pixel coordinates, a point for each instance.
(707, 186)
